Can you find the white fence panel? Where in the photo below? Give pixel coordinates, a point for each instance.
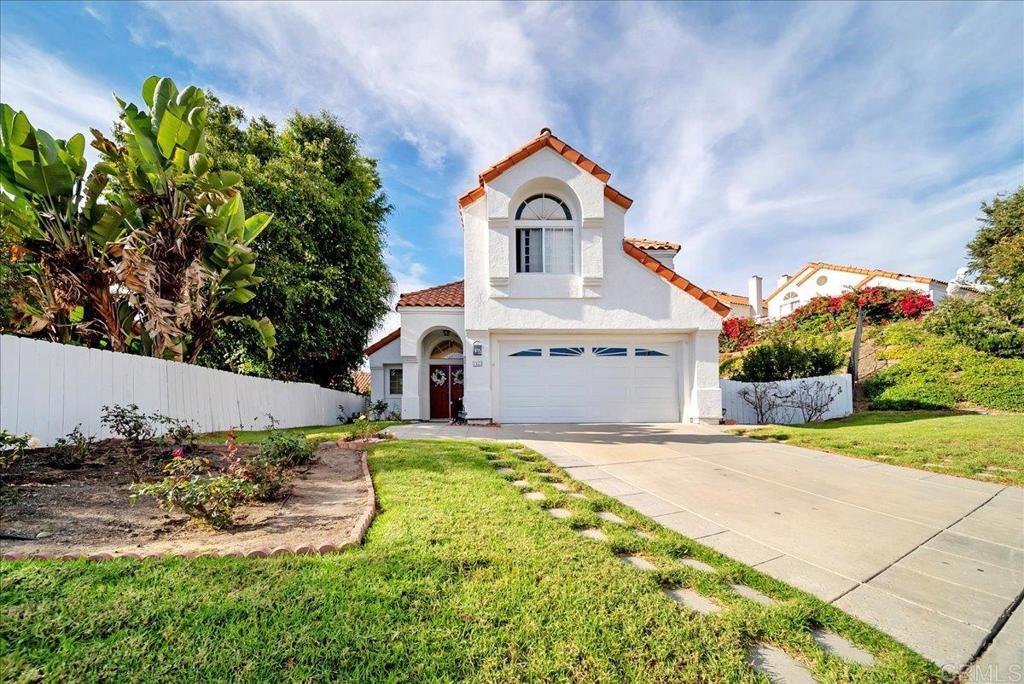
(736, 408)
(46, 389)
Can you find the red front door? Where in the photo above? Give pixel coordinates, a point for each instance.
(445, 386)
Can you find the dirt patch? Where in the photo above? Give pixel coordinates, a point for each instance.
(86, 511)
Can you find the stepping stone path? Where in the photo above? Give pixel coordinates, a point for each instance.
(577, 495)
(779, 666)
(752, 594)
(696, 564)
(637, 562)
(560, 487)
(838, 646)
(593, 533)
(534, 496)
(611, 517)
(693, 600)
(645, 535)
(520, 483)
(559, 512)
(506, 471)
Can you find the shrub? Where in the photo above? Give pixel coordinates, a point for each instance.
(934, 372)
(284, 450)
(737, 334)
(12, 448)
(72, 450)
(880, 305)
(786, 356)
(378, 409)
(974, 324)
(266, 478)
(189, 486)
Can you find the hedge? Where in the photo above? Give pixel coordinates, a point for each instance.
(933, 372)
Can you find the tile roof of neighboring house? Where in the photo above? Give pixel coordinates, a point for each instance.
(705, 297)
(730, 298)
(449, 294)
(812, 267)
(383, 342)
(361, 382)
(647, 243)
(545, 139)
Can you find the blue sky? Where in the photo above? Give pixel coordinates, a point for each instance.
(758, 135)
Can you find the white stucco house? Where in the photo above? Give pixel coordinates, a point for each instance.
(560, 317)
(820, 279)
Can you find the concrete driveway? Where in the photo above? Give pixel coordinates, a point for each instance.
(934, 560)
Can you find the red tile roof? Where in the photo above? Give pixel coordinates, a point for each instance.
(810, 268)
(361, 382)
(544, 140)
(450, 294)
(730, 298)
(383, 342)
(647, 243)
(706, 298)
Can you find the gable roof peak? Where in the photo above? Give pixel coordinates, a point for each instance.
(545, 139)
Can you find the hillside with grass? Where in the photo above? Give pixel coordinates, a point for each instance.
(931, 371)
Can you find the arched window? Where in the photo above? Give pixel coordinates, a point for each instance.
(447, 349)
(545, 240)
(543, 207)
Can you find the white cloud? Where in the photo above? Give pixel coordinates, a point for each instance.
(55, 96)
(442, 76)
(758, 139)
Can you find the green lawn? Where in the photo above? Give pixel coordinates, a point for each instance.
(460, 579)
(983, 447)
(315, 433)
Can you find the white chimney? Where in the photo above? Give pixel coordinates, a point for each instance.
(754, 293)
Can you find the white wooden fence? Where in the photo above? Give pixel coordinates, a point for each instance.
(735, 407)
(46, 389)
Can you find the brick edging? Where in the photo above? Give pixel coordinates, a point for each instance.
(354, 539)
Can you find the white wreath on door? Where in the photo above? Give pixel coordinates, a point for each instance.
(457, 377)
(439, 377)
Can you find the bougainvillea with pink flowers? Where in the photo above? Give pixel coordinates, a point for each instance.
(737, 334)
(880, 305)
(825, 314)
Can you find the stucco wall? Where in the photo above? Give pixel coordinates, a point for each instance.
(380, 361)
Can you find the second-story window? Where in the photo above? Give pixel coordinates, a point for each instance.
(545, 237)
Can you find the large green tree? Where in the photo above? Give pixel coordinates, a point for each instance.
(997, 250)
(994, 323)
(325, 283)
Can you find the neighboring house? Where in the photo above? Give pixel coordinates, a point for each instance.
(561, 318)
(821, 279)
(739, 306)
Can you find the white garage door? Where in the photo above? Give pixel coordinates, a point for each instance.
(606, 382)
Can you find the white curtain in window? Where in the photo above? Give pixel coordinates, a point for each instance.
(530, 250)
(558, 250)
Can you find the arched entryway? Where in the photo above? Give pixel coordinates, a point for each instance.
(445, 373)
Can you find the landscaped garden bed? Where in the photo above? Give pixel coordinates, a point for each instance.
(462, 577)
(87, 512)
(174, 495)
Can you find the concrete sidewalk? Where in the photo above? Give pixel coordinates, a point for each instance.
(934, 560)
